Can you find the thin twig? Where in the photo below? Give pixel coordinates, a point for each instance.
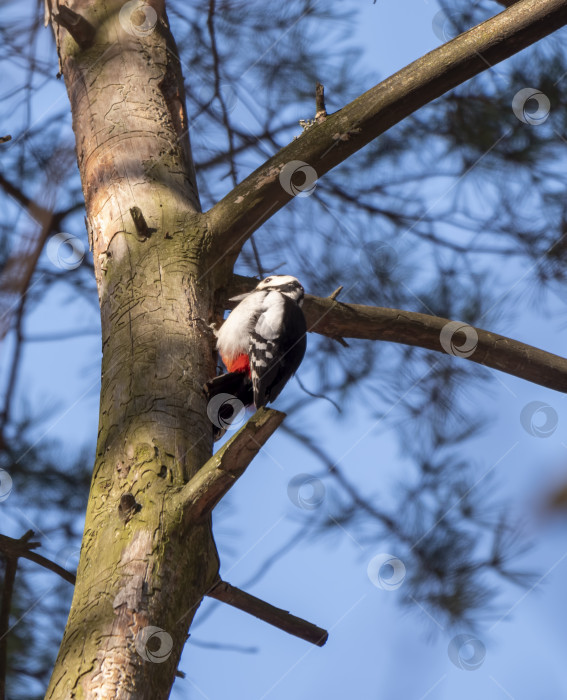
(39, 213)
(336, 293)
(12, 552)
(316, 396)
(226, 119)
(320, 109)
(15, 366)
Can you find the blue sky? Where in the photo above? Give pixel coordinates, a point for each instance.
(376, 648)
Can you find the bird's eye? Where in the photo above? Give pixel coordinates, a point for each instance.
(268, 279)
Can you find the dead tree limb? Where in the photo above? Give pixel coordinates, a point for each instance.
(276, 617)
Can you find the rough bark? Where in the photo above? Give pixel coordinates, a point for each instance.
(140, 565)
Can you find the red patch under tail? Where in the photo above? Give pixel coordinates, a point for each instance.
(241, 363)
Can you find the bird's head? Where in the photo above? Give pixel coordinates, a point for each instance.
(285, 284)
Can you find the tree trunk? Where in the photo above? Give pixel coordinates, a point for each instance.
(144, 565)
(141, 566)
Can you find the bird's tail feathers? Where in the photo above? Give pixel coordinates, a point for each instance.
(227, 396)
(238, 384)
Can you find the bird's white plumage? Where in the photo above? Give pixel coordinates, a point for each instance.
(262, 342)
(270, 320)
(233, 338)
(261, 311)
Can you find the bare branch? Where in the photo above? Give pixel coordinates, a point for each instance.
(336, 320)
(277, 617)
(78, 27)
(13, 550)
(18, 270)
(22, 548)
(325, 145)
(142, 228)
(8, 589)
(15, 364)
(320, 109)
(217, 476)
(39, 213)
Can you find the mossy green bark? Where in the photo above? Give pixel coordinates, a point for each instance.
(142, 567)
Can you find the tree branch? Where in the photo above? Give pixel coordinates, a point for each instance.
(222, 591)
(335, 320)
(198, 497)
(13, 550)
(15, 364)
(277, 617)
(42, 215)
(320, 108)
(78, 27)
(142, 228)
(22, 547)
(234, 218)
(7, 591)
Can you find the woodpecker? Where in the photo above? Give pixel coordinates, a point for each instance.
(262, 342)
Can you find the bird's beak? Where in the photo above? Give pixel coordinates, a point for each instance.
(240, 297)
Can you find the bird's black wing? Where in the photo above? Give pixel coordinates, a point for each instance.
(277, 346)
